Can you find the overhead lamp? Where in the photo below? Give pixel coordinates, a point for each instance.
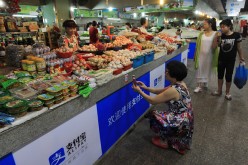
(197, 12)
(143, 14)
(239, 0)
(2, 4)
(110, 8)
(161, 2)
(134, 15)
(23, 16)
(175, 18)
(72, 8)
(115, 19)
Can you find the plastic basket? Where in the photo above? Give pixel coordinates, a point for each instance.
(149, 57)
(117, 71)
(64, 55)
(138, 61)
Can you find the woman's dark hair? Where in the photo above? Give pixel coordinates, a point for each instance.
(177, 70)
(69, 24)
(212, 22)
(142, 21)
(129, 25)
(227, 22)
(94, 23)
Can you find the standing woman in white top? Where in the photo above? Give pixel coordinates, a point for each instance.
(204, 54)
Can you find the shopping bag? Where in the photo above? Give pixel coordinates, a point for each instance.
(240, 76)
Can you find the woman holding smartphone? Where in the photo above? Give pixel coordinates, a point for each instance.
(175, 126)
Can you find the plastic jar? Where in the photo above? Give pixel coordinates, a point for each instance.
(24, 65)
(40, 64)
(31, 66)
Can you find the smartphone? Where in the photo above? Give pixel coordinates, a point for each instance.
(134, 80)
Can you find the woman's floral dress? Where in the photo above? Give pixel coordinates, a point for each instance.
(175, 125)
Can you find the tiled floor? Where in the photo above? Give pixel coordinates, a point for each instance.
(220, 135)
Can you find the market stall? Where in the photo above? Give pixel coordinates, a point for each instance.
(96, 101)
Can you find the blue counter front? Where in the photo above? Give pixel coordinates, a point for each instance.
(87, 136)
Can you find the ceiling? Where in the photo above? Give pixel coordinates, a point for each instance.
(217, 5)
(32, 2)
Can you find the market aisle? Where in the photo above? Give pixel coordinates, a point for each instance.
(220, 136)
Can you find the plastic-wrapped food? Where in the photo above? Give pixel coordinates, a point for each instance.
(17, 108)
(39, 85)
(20, 74)
(15, 53)
(59, 100)
(24, 92)
(5, 99)
(35, 105)
(55, 91)
(11, 84)
(6, 119)
(25, 80)
(46, 98)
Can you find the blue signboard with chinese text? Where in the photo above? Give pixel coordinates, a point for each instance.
(119, 111)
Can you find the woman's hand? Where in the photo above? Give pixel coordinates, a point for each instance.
(242, 61)
(141, 85)
(136, 88)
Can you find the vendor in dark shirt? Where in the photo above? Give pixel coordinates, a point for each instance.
(94, 36)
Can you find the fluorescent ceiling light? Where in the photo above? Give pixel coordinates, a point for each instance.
(239, 0)
(161, 2)
(116, 19)
(2, 4)
(197, 12)
(27, 16)
(110, 8)
(72, 8)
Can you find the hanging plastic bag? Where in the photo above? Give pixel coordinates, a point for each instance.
(240, 76)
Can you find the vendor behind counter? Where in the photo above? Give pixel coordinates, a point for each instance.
(70, 38)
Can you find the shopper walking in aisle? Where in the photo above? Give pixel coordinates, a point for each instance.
(175, 126)
(206, 56)
(230, 44)
(70, 39)
(94, 36)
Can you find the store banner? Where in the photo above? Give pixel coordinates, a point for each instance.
(184, 58)
(119, 111)
(27, 9)
(157, 78)
(235, 4)
(7, 160)
(76, 142)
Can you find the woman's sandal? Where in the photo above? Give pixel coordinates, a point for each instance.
(159, 143)
(216, 93)
(228, 97)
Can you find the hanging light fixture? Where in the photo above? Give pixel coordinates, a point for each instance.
(161, 2)
(2, 4)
